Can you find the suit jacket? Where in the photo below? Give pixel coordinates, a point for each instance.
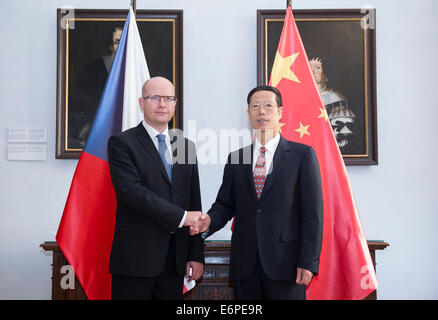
(284, 226)
(149, 206)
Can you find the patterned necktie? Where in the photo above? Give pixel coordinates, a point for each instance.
(162, 151)
(260, 172)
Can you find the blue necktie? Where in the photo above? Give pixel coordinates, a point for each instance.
(162, 151)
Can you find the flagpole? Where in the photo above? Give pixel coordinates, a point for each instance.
(134, 6)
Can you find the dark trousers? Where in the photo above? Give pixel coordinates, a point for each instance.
(168, 285)
(259, 287)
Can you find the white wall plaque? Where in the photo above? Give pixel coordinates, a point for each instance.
(23, 151)
(27, 135)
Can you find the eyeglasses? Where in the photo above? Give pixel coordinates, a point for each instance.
(267, 105)
(157, 99)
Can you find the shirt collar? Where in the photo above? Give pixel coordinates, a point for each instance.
(154, 132)
(271, 146)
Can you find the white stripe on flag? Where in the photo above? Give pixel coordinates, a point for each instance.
(188, 285)
(136, 73)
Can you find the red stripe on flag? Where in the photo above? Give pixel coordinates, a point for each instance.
(86, 230)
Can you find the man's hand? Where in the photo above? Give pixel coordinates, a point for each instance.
(197, 270)
(192, 218)
(201, 225)
(304, 276)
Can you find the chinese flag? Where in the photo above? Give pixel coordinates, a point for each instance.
(346, 269)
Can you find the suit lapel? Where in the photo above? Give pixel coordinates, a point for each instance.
(281, 157)
(146, 140)
(176, 144)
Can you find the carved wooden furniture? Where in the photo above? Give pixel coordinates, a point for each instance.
(214, 285)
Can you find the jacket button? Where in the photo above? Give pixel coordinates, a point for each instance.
(259, 210)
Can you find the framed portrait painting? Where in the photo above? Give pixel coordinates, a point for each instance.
(340, 45)
(87, 41)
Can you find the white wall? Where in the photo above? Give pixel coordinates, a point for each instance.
(397, 200)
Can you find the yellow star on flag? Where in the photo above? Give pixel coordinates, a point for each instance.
(280, 125)
(323, 114)
(281, 69)
(303, 130)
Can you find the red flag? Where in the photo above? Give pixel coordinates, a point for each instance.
(346, 269)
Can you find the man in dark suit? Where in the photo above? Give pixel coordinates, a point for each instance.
(273, 189)
(155, 176)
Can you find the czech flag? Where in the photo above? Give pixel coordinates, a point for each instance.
(86, 230)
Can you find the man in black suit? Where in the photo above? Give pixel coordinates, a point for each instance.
(273, 189)
(155, 176)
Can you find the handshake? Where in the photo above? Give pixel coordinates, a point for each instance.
(197, 222)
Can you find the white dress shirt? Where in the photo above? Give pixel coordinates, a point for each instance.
(270, 148)
(153, 134)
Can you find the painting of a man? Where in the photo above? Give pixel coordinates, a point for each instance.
(87, 89)
(86, 49)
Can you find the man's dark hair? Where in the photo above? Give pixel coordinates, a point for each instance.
(266, 88)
